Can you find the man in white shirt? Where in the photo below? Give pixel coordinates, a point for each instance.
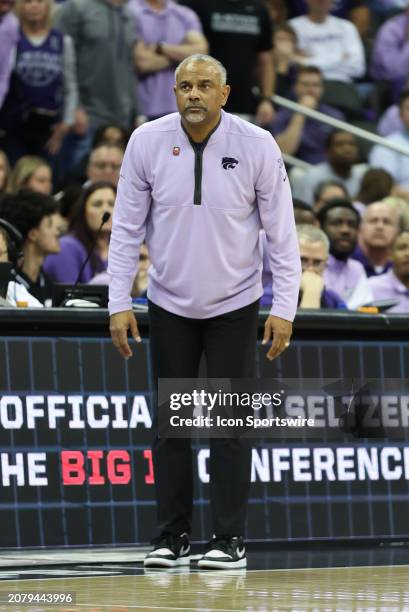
(330, 43)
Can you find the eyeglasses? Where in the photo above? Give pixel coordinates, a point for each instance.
(307, 262)
(105, 165)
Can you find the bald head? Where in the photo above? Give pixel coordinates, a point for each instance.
(199, 58)
(380, 225)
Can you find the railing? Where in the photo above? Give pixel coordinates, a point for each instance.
(337, 123)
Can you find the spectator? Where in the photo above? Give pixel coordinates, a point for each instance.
(140, 284)
(376, 185)
(314, 249)
(37, 218)
(295, 133)
(40, 105)
(395, 163)
(277, 10)
(390, 55)
(379, 227)
(8, 40)
(32, 173)
(112, 134)
(10, 242)
(5, 173)
(104, 39)
(344, 275)
(285, 56)
(167, 33)
(105, 163)
(304, 215)
(354, 10)
(314, 246)
(390, 121)
(239, 34)
(97, 199)
(394, 284)
(342, 166)
(326, 191)
(330, 43)
(402, 208)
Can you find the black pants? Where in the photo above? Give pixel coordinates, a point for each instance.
(177, 343)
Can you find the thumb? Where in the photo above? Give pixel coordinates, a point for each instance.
(134, 329)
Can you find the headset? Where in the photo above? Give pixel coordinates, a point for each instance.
(15, 241)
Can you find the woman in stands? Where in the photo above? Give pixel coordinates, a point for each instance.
(32, 173)
(42, 98)
(84, 237)
(4, 173)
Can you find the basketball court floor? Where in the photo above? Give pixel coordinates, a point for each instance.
(374, 579)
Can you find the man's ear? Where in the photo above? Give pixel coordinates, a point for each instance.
(226, 92)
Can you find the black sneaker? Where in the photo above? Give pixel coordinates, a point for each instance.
(169, 551)
(223, 553)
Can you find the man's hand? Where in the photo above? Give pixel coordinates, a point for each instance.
(281, 329)
(265, 113)
(120, 323)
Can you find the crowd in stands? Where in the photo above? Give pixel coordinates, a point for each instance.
(77, 76)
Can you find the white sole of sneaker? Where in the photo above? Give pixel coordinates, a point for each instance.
(214, 564)
(158, 562)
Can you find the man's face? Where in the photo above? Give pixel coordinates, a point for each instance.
(199, 93)
(329, 193)
(400, 255)
(319, 6)
(343, 149)
(313, 255)
(46, 235)
(5, 7)
(404, 113)
(341, 226)
(308, 84)
(105, 164)
(380, 225)
(34, 11)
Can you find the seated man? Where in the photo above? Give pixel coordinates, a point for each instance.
(314, 250)
(395, 163)
(394, 284)
(330, 43)
(295, 133)
(304, 215)
(341, 166)
(37, 218)
(344, 275)
(314, 247)
(379, 227)
(15, 294)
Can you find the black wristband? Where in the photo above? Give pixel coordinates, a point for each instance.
(266, 99)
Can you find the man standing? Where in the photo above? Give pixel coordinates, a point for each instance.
(200, 186)
(8, 39)
(167, 33)
(239, 33)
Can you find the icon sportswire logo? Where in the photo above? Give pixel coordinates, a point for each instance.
(229, 162)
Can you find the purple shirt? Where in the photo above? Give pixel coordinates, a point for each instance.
(63, 267)
(388, 286)
(8, 40)
(390, 55)
(170, 25)
(314, 135)
(205, 257)
(390, 121)
(370, 270)
(349, 281)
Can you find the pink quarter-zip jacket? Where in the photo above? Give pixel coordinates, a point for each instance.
(200, 208)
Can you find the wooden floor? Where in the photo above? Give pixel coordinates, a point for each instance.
(369, 589)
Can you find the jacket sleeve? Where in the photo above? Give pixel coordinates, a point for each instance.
(131, 209)
(277, 217)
